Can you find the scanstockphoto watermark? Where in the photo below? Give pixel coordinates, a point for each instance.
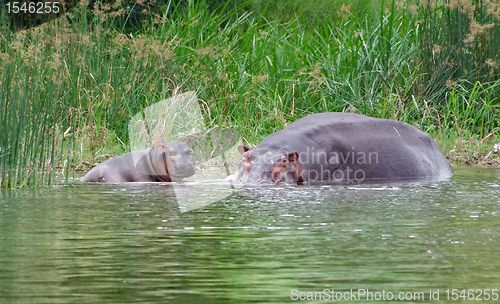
(337, 166)
(360, 294)
(180, 118)
(369, 295)
(312, 156)
(338, 175)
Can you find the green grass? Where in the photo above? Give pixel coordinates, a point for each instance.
(69, 87)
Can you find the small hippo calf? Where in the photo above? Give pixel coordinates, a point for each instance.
(170, 162)
(342, 147)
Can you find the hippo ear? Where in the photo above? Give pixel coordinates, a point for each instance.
(163, 147)
(293, 157)
(188, 141)
(242, 149)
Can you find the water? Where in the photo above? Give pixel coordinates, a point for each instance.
(86, 243)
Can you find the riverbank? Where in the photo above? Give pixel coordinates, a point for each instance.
(469, 152)
(464, 150)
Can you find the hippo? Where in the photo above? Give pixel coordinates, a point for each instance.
(341, 147)
(170, 162)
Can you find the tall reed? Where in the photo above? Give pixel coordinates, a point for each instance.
(459, 42)
(30, 122)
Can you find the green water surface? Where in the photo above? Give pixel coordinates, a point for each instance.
(130, 243)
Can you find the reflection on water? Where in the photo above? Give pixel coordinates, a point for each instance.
(131, 243)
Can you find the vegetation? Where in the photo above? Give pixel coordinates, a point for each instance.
(69, 86)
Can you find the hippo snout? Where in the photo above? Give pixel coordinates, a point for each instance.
(259, 167)
(182, 170)
(185, 166)
(255, 179)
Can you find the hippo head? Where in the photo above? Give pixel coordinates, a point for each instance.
(179, 162)
(268, 166)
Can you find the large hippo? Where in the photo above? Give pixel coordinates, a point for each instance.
(170, 162)
(342, 147)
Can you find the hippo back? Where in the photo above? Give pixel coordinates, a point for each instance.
(334, 145)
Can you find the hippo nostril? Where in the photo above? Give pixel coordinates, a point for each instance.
(184, 166)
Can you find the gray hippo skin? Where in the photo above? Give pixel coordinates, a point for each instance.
(170, 162)
(342, 147)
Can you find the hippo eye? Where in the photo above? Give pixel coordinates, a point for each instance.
(188, 151)
(171, 152)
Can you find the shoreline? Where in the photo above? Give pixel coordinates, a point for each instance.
(464, 157)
